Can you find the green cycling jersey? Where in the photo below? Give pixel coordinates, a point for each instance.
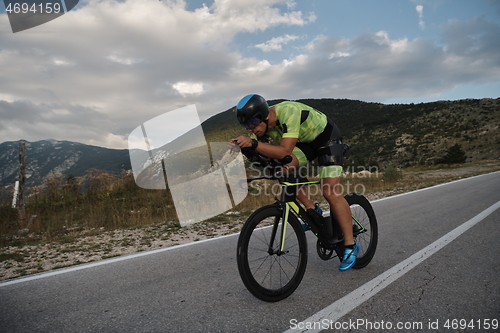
(297, 120)
(306, 124)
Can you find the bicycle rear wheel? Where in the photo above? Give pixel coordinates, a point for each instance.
(365, 228)
(269, 273)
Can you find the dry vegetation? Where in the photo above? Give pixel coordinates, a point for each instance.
(110, 216)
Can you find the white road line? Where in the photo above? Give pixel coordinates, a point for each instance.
(105, 262)
(432, 187)
(346, 304)
(145, 253)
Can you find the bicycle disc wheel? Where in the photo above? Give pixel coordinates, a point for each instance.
(269, 273)
(364, 227)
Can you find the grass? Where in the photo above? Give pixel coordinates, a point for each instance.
(59, 209)
(119, 218)
(116, 203)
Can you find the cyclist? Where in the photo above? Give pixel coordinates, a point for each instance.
(303, 133)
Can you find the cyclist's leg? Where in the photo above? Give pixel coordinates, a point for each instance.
(332, 192)
(299, 160)
(330, 184)
(330, 152)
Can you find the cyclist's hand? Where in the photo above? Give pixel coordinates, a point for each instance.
(233, 147)
(242, 141)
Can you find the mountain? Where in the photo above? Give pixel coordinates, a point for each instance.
(378, 134)
(402, 134)
(48, 157)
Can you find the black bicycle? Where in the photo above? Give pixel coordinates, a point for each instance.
(272, 246)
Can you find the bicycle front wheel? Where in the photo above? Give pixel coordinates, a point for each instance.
(270, 272)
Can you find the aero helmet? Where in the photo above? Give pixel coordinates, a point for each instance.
(251, 110)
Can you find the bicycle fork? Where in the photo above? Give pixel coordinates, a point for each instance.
(284, 217)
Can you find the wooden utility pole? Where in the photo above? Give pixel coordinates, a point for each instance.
(22, 172)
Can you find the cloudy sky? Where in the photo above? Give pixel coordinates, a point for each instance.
(105, 67)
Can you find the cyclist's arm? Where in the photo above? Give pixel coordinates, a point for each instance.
(280, 151)
(273, 151)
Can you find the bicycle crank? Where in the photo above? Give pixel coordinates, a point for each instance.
(323, 252)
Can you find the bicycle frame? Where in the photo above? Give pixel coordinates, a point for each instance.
(288, 202)
(290, 184)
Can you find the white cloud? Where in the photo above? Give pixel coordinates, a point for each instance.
(224, 19)
(258, 67)
(122, 60)
(312, 17)
(420, 11)
(62, 62)
(291, 4)
(275, 44)
(379, 68)
(396, 46)
(298, 60)
(339, 55)
(189, 88)
(109, 66)
(165, 52)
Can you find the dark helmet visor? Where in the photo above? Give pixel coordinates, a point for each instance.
(251, 123)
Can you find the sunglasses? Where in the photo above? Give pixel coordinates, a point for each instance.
(251, 123)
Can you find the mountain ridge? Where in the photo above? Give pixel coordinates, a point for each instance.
(47, 157)
(401, 134)
(378, 134)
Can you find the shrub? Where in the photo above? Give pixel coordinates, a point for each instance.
(391, 173)
(455, 154)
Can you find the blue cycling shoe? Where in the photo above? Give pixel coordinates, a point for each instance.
(349, 258)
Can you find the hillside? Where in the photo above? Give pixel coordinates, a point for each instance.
(378, 134)
(48, 157)
(404, 134)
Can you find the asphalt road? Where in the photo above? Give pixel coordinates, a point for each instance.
(196, 288)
